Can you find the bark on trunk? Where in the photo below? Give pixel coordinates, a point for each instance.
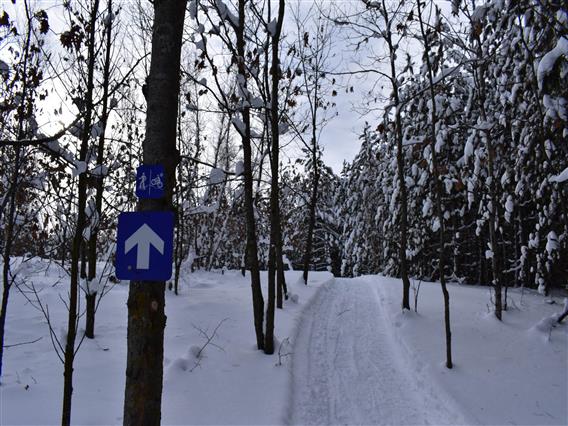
(83, 255)
(91, 301)
(269, 335)
(282, 288)
(146, 299)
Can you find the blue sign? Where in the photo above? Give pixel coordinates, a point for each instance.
(150, 181)
(144, 246)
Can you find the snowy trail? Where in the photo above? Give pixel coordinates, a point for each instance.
(348, 370)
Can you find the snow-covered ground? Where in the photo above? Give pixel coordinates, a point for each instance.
(349, 356)
(349, 370)
(509, 372)
(234, 383)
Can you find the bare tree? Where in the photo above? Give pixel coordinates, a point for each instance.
(313, 49)
(91, 290)
(86, 107)
(252, 244)
(275, 227)
(24, 84)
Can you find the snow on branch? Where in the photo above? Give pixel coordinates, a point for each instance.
(548, 61)
(225, 14)
(562, 177)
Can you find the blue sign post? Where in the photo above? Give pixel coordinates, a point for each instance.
(150, 181)
(144, 246)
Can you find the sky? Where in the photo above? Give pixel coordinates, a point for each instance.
(340, 137)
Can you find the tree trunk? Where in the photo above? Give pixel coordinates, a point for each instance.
(3, 314)
(78, 245)
(179, 224)
(91, 302)
(64, 251)
(91, 295)
(403, 217)
(313, 205)
(146, 300)
(6, 279)
(439, 192)
(269, 335)
(493, 233)
(251, 244)
(72, 315)
(282, 288)
(76, 253)
(274, 189)
(83, 255)
(495, 263)
(178, 249)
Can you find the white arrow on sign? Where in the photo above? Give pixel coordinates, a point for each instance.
(144, 237)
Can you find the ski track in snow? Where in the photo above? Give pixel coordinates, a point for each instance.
(348, 370)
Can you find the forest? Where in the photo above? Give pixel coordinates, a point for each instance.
(459, 176)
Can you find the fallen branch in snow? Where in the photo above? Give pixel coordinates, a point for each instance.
(23, 343)
(416, 289)
(56, 343)
(283, 355)
(209, 341)
(564, 313)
